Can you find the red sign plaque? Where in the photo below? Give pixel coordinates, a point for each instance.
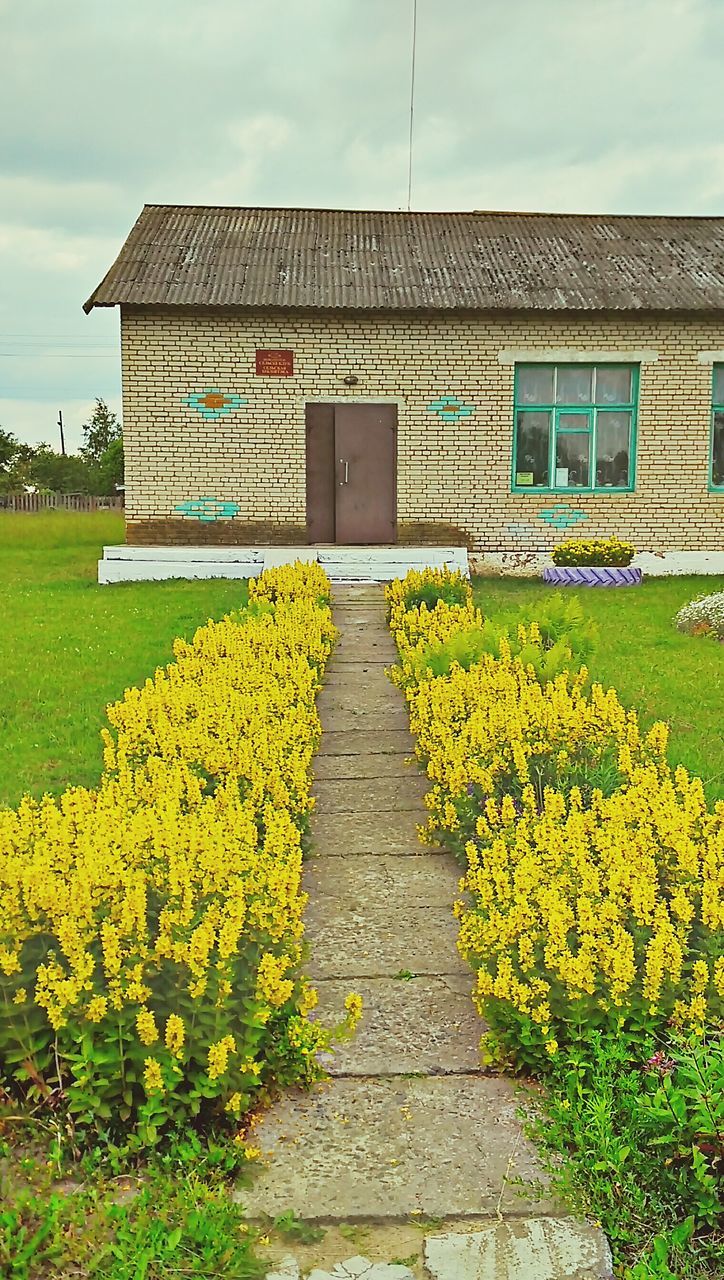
(275, 364)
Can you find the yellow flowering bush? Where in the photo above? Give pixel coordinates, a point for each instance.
(305, 579)
(151, 929)
(429, 586)
(600, 915)
(594, 886)
(593, 551)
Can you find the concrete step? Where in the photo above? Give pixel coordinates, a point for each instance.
(541, 1248)
(387, 1148)
(362, 565)
(355, 942)
(112, 571)
(409, 1026)
(373, 795)
(389, 883)
(519, 1248)
(376, 719)
(328, 768)
(354, 833)
(350, 742)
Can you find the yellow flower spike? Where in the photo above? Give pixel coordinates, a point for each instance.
(152, 1076)
(353, 1006)
(175, 1035)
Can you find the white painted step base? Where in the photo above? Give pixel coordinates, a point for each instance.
(343, 564)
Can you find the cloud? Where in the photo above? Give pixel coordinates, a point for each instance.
(612, 106)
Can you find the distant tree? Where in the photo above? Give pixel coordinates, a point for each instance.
(96, 468)
(109, 468)
(100, 432)
(60, 473)
(15, 459)
(8, 449)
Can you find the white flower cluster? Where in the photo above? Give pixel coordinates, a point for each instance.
(703, 616)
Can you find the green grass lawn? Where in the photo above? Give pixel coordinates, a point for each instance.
(68, 647)
(664, 674)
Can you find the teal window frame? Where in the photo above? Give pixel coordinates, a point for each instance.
(714, 486)
(592, 410)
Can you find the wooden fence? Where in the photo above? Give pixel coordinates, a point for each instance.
(58, 501)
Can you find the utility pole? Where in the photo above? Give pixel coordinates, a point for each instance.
(62, 437)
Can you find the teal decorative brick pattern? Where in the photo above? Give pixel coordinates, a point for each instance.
(561, 516)
(450, 409)
(207, 509)
(212, 404)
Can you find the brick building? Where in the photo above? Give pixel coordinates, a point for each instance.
(487, 380)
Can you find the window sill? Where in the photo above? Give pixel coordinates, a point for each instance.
(607, 491)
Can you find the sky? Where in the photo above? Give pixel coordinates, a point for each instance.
(611, 106)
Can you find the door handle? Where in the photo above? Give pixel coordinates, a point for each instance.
(346, 471)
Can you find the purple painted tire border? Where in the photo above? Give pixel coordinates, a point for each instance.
(592, 576)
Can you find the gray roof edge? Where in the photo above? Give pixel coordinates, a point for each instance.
(440, 213)
(688, 288)
(91, 301)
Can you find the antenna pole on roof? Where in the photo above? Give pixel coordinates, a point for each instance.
(412, 103)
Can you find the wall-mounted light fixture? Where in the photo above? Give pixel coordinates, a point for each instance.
(351, 380)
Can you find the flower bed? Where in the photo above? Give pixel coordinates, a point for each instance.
(703, 616)
(595, 872)
(604, 552)
(151, 929)
(593, 894)
(593, 562)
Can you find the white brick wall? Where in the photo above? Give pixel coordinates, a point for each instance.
(453, 474)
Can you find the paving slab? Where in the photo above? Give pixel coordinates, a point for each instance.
(409, 1025)
(359, 1268)
(364, 693)
(377, 883)
(349, 592)
(379, 718)
(361, 615)
(286, 1269)
(521, 1249)
(350, 741)
(346, 669)
(348, 682)
(340, 834)
(381, 1149)
(369, 941)
(372, 795)
(344, 660)
(399, 764)
(374, 645)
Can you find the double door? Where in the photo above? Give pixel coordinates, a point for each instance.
(351, 473)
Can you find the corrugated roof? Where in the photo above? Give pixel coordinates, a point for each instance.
(197, 256)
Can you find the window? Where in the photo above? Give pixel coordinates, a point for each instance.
(575, 426)
(717, 429)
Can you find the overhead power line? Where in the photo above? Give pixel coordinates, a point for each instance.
(58, 355)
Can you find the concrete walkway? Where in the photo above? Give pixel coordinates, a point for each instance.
(408, 1125)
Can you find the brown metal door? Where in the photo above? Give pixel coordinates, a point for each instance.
(365, 441)
(321, 487)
